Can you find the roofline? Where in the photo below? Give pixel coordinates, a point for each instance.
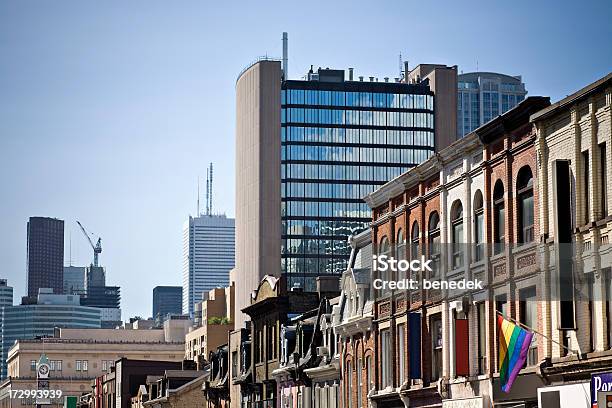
(510, 120)
(570, 99)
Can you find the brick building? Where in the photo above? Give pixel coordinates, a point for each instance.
(353, 326)
(522, 206)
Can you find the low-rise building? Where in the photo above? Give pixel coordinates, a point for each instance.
(216, 321)
(173, 389)
(78, 356)
(271, 306)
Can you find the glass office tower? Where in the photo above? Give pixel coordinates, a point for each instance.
(482, 96)
(340, 140)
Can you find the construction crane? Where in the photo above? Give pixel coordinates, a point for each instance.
(97, 248)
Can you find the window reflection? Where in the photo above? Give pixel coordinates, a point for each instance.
(336, 148)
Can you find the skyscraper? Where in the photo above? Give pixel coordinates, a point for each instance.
(208, 256)
(6, 300)
(45, 255)
(309, 150)
(482, 96)
(6, 294)
(41, 317)
(167, 300)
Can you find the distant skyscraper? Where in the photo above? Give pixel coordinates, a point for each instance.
(483, 96)
(45, 252)
(40, 318)
(208, 256)
(167, 300)
(6, 300)
(6, 294)
(74, 280)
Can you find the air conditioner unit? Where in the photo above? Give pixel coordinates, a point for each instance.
(322, 351)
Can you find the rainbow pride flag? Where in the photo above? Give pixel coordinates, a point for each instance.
(514, 343)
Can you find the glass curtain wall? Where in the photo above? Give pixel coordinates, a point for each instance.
(339, 143)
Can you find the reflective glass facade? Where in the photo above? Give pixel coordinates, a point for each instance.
(340, 141)
(483, 96)
(31, 321)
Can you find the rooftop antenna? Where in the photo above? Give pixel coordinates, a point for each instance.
(476, 65)
(207, 193)
(198, 205)
(401, 66)
(285, 57)
(211, 189)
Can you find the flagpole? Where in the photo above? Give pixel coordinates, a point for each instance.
(524, 326)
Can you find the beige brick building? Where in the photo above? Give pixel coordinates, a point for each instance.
(217, 320)
(77, 356)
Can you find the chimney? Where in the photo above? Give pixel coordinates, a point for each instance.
(285, 55)
(386, 79)
(361, 79)
(371, 79)
(350, 74)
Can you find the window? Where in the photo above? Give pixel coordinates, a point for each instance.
(436, 347)
(55, 365)
(234, 364)
(349, 384)
(81, 365)
(528, 308)
(457, 233)
(608, 291)
(603, 169)
(401, 351)
(359, 383)
(501, 304)
(384, 249)
(499, 218)
(386, 368)
(482, 337)
(585, 183)
(33, 365)
(414, 248)
(478, 226)
(369, 378)
(434, 241)
(401, 245)
(524, 189)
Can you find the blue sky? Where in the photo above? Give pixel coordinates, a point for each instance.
(110, 110)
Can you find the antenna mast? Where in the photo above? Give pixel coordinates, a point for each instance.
(198, 205)
(207, 193)
(211, 188)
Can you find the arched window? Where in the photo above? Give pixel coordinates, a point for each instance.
(433, 241)
(400, 244)
(499, 217)
(414, 241)
(349, 384)
(524, 191)
(383, 246)
(478, 226)
(384, 249)
(457, 233)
